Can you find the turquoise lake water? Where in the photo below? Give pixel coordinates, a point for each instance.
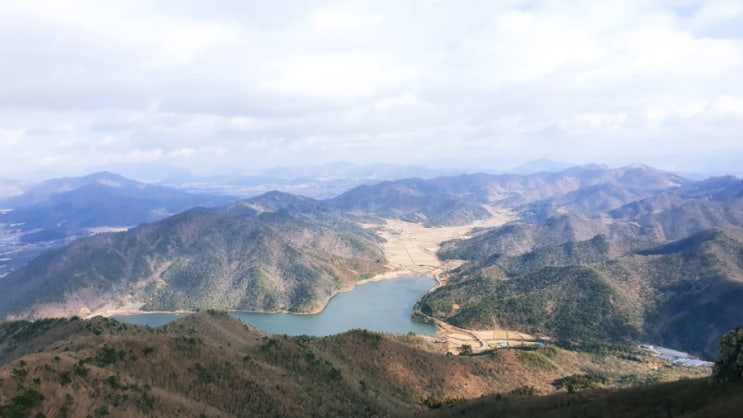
(383, 306)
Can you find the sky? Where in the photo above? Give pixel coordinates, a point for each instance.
(234, 87)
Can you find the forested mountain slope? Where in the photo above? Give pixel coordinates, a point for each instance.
(666, 269)
(248, 256)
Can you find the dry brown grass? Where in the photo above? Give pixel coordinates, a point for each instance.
(412, 247)
(214, 365)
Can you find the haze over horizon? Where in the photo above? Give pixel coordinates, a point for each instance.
(231, 87)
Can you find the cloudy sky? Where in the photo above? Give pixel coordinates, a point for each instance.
(237, 86)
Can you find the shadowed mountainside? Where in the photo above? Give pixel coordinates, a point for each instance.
(687, 398)
(719, 396)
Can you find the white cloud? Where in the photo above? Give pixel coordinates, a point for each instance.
(338, 75)
(590, 122)
(221, 85)
(339, 23)
(729, 107)
(136, 156)
(11, 137)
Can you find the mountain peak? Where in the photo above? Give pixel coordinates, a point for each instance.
(277, 199)
(276, 194)
(105, 174)
(110, 179)
(540, 165)
(586, 168)
(638, 166)
(717, 188)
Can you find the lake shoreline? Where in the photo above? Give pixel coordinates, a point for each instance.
(389, 275)
(383, 305)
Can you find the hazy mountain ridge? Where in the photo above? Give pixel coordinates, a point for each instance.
(319, 182)
(540, 165)
(71, 205)
(456, 200)
(229, 258)
(601, 190)
(669, 215)
(412, 200)
(41, 191)
(51, 213)
(11, 187)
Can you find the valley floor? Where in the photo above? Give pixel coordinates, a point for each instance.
(411, 247)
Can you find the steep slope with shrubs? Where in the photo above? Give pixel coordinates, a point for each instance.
(210, 364)
(683, 294)
(687, 398)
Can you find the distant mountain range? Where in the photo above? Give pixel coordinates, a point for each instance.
(320, 182)
(458, 200)
(412, 200)
(48, 214)
(9, 187)
(540, 165)
(70, 206)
